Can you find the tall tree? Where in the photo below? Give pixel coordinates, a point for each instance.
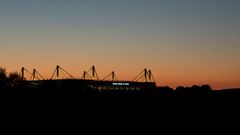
(3, 78)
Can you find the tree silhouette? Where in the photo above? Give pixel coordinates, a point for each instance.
(14, 80)
(207, 87)
(3, 78)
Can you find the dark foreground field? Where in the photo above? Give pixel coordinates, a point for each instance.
(162, 103)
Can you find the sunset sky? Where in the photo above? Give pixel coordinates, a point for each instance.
(184, 42)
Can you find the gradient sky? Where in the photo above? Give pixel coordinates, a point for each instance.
(184, 42)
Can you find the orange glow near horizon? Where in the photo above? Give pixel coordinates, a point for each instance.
(170, 67)
(170, 81)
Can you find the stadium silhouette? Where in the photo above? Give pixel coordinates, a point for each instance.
(62, 84)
